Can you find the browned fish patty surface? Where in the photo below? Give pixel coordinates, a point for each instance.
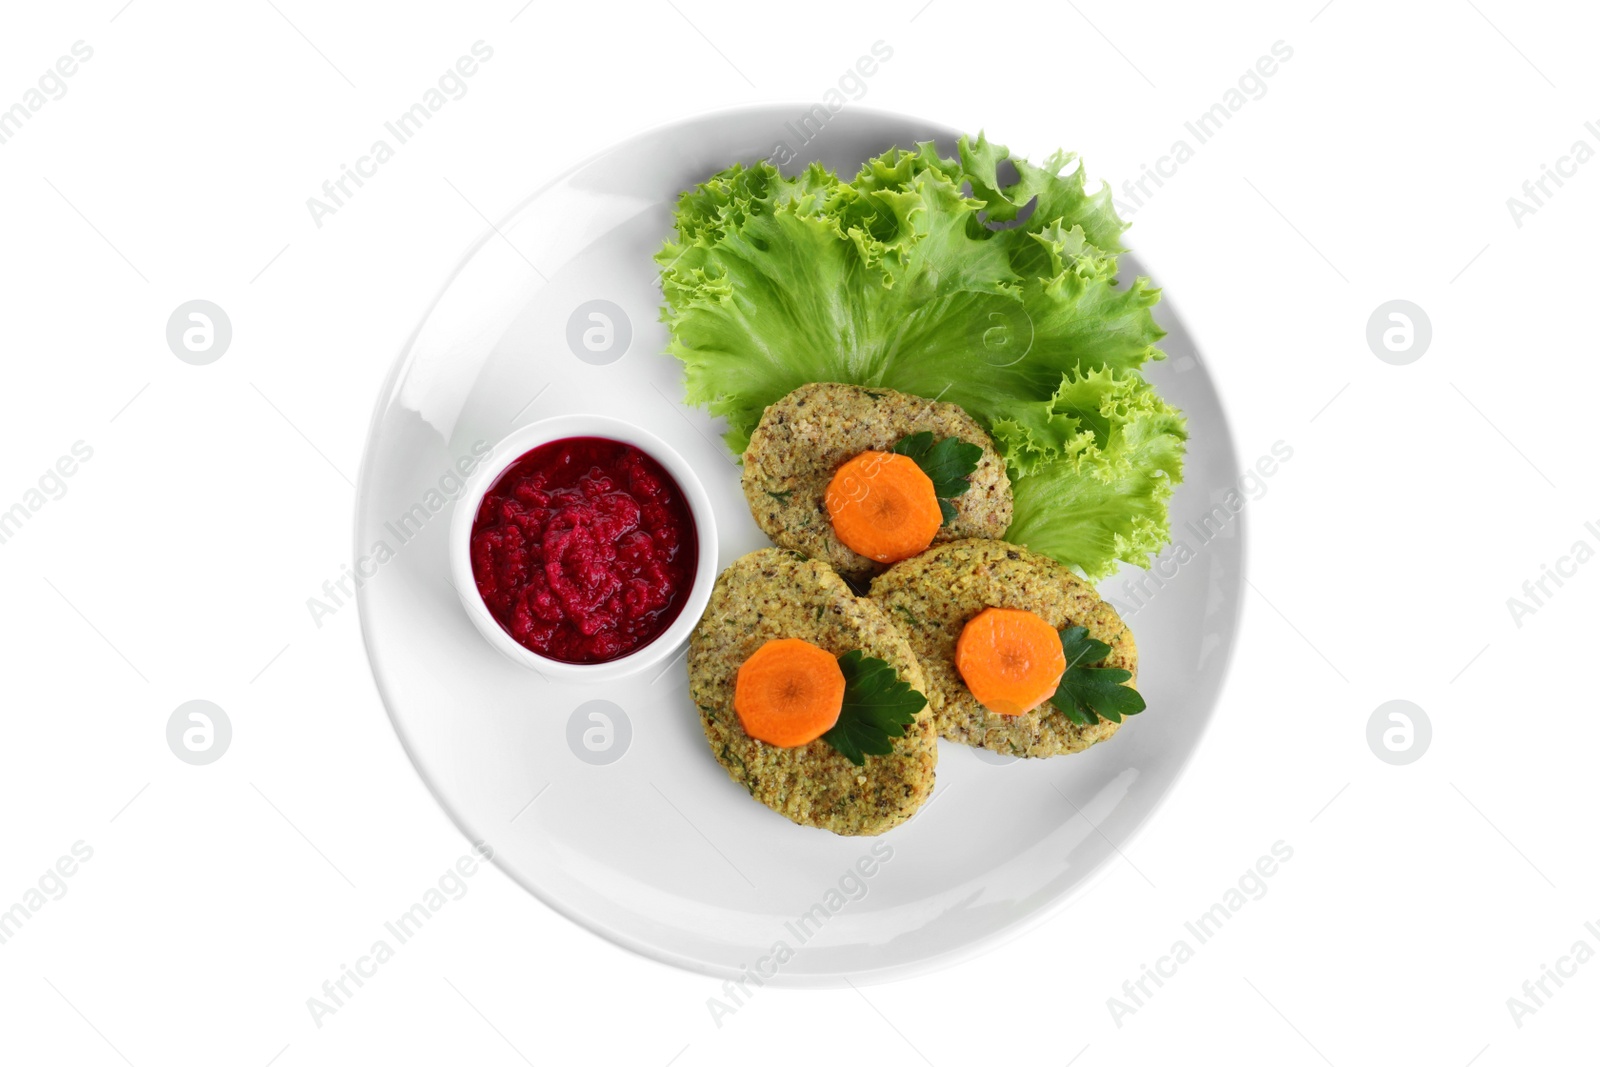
(805, 437)
(932, 596)
(777, 593)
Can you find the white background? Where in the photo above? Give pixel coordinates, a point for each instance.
(177, 564)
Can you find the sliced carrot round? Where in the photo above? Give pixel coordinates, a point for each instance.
(1010, 659)
(883, 506)
(789, 692)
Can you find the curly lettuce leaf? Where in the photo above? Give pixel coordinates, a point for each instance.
(1094, 466)
(949, 278)
(894, 279)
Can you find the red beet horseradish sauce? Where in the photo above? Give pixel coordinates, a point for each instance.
(584, 550)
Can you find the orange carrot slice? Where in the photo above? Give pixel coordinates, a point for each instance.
(1010, 659)
(883, 506)
(789, 692)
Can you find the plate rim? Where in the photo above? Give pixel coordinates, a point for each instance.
(653, 951)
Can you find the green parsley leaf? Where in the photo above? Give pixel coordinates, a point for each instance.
(780, 497)
(878, 706)
(949, 462)
(1088, 693)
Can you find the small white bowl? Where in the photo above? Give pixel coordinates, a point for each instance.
(514, 447)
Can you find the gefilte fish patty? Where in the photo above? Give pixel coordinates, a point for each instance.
(932, 596)
(804, 438)
(777, 593)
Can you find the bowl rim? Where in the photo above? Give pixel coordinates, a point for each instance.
(518, 443)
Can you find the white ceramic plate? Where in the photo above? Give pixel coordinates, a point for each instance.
(606, 803)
